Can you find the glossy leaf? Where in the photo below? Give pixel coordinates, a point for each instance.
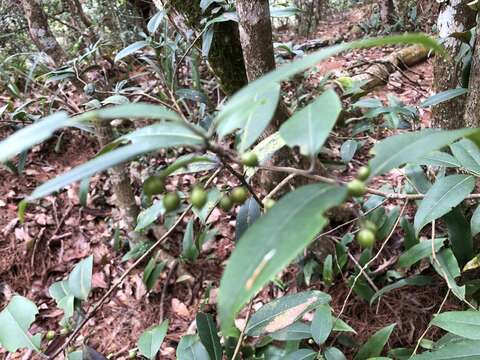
(442, 197)
(438, 158)
(309, 127)
(322, 324)
(348, 150)
(130, 49)
(443, 96)
(294, 332)
(132, 111)
(342, 326)
(417, 252)
(475, 222)
(302, 354)
(207, 331)
(459, 235)
(63, 297)
(375, 344)
(332, 353)
(151, 340)
(284, 311)
(398, 150)
(445, 264)
(190, 348)
(80, 279)
(249, 212)
(150, 215)
(462, 323)
(468, 154)
(189, 248)
(418, 280)
(16, 319)
(253, 263)
(462, 350)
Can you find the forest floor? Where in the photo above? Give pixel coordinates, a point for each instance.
(58, 232)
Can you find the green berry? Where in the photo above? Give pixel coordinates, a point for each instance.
(250, 159)
(64, 331)
(269, 203)
(154, 185)
(366, 238)
(171, 201)
(370, 225)
(225, 203)
(132, 354)
(50, 335)
(363, 173)
(239, 195)
(356, 188)
(198, 197)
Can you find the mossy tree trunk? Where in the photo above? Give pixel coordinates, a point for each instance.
(472, 108)
(454, 17)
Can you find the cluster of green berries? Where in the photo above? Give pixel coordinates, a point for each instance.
(367, 235)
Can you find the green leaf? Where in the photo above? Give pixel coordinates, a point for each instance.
(294, 332)
(438, 158)
(475, 222)
(374, 345)
(249, 212)
(459, 235)
(442, 197)
(91, 167)
(463, 350)
(467, 153)
(133, 111)
(16, 319)
(32, 135)
(462, 323)
(348, 150)
(284, 311)
(207, 331)
(63, 297)
(285, 230)
(342, 326)
(189, 248)
(253, 120)
(417, 252)
(447, 267)
(410, 238)
(302, 354)
(322, 324)
(310, 127)
(150, 215)
(151, 340)
(418, 280)
(398, 150)
(443, 96)
(80, 279)
(152, 273)
(265, 150)
(332, 353)
(327, 271)
(190, 348)
(130, 49)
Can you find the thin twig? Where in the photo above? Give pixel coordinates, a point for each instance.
(164, 290)
(242, 333)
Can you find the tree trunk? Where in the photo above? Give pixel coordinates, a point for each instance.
(225, 57)
(454, 17)
(472, 107)
(46, 42)
(387, 11)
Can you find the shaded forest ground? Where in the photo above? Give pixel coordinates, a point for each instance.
(58, 232)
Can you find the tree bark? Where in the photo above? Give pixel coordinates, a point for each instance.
(454, 17)
(225, 57)
(387, 11)
(46, 42)
(472, 107)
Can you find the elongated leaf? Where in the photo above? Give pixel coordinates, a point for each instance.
(165, 134)
(207, 331)
(150, 215)
(265, 149)
(342, 326)
(410, 239)
(475, 222)
(374, 345)
(284, 231)
(302, 354)
(347, 150)
(89, 353)
(398, 150)
(133, 111)
(284, 311)
(332, 353)
(249, 212)
(16, 319)
(417, 252)
(418, 280)
(468, 154)
(189, 248)
(151, 340)
(242, 99)
(445, 264)
(155, 21)
(463, 350)
(459, 235)
(443, 96)
(442, 197)
(80, 279)
(63, 297)
(462, 323)
(32, 135)
(310, 127)
(190, 348)
(296, 331)
(252, 121)
(438, 158)
(322, 324)
(130, 49)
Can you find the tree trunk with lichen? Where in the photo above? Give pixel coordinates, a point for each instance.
(472, 107)
(46, 42)
(225, 56)
(454, 17)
